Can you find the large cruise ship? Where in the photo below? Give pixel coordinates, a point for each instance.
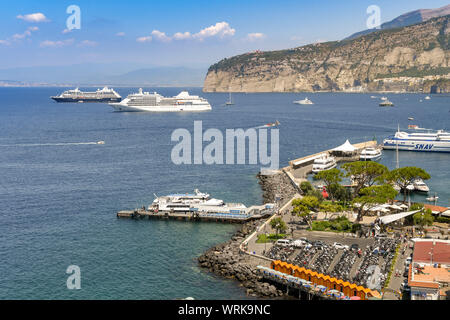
(76, 95)
(428, 140)
(154, 102)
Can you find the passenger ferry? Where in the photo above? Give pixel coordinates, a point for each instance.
(370, 154)
(429, 141)
(324, 163)
(154, 102)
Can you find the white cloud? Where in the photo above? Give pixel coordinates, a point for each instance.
(255, 36)
(160, 36)
(56, 44)
(26, 33)
(182, 36)
(144, 39)
(120, 34)
(33, 17)
(220, 29)
(87, 43)
(5, 42)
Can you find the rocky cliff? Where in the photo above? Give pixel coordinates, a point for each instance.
(409, 59)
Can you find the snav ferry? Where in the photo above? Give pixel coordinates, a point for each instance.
(428, 140)
(76, 95)
(154, 102)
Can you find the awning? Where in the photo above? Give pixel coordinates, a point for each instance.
(394, 217)
(346, 147)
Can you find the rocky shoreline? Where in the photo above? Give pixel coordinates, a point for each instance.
(226, 259)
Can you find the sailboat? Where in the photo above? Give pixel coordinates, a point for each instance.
(230, 101)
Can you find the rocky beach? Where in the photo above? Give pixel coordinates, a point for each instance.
(228, 261)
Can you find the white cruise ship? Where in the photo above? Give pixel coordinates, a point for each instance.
(428, 141)
(76, 95)
(154, 102)
(324, 163)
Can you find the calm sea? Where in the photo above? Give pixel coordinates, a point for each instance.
(58, 201)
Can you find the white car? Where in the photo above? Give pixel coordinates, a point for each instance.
(338, 245)
(283, 242)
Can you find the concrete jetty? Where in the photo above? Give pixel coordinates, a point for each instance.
(143, 213)
(298, 169)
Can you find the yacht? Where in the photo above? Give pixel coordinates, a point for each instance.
(420, 186)
(427, 98)
(370, 154)
(427, 141)
(323, 163)
(76, 95)
(154, 102)
(304, 101)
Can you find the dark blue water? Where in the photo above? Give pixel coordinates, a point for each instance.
(58, 203)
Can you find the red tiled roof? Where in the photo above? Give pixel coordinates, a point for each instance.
(433, 285)
(440, 250)
(435, 208)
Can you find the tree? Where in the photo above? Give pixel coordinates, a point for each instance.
(339, 193)
(329, 177)
(371, 197)
(365, 173)
(304, 206)
(403, 177)
(278, 224)
(306, 187)
(423, 218)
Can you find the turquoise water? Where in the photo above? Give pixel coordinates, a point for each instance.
(58, 202)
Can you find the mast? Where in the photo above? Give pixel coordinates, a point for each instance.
(396, 152)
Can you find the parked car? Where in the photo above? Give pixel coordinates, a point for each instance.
(338, 245)
(283, 242)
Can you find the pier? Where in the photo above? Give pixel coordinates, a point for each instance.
(261, 212)
(298, 169)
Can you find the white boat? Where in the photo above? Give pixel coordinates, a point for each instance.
(323, 163)
(420, 186)
(101, 142)
(428, 140)
(76, 95)
(304, 101)
(370, 154)
(386, 103)
(154, 102)
(183, 202)
(384, 98)
(230, 101)
(427, 98)
(433, 198)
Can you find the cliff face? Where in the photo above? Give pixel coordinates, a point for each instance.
(413, 59)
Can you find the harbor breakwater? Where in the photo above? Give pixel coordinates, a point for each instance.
(228, 261)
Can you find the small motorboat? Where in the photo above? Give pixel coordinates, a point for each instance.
(304, 101)
(411, 118)
(433, 198)
(274, 124)
(427, 98)
(101, 142)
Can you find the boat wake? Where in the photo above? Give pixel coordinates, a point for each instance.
(52, 144)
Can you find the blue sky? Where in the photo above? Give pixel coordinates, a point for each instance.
(143, 32)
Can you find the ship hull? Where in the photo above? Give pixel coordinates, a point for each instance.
(169, 108)
(87, 100)
(420, 146)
